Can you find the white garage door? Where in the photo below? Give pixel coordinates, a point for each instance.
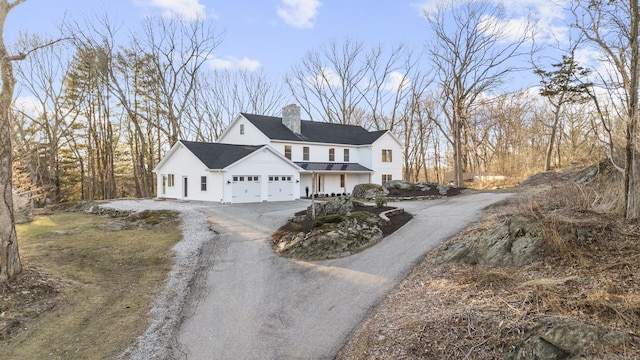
(245, 189)
(280, 188)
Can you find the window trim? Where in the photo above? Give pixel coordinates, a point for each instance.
(386, 178)
(332, 154)
(345, 155)
(305, 153)
(203, 183)
(287, 151)
(387, 155)
(241, 129)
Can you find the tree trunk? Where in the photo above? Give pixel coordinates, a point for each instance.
(10, 264)
(552, 139)
(630, 173)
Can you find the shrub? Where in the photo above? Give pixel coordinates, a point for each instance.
(328, 219)
(380, 201)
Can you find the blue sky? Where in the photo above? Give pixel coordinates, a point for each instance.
(272, 35)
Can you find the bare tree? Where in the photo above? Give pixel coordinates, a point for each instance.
(40, 75)
(179, 49)
(612, 26)
(326, 81)
(222, 94)
(471, 49)
(10, 264)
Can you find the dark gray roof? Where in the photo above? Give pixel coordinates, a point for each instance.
(325, 166)
(218, 156)
(313, 131)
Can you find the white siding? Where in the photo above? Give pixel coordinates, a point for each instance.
(251, 136)
(394, 168)
(317, 152)
(183, 164)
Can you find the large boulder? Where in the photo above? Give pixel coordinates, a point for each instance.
(518, 241)
(557, 338)
(369, 191)
(398, 184)
(341, 205)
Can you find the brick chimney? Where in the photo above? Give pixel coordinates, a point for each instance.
(291, 117)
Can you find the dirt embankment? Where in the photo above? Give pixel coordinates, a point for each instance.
(550, 273)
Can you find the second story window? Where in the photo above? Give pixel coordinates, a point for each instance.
(287, 151)
(386, 155)
(332, 154)
(346, 155)
(241, 129)
(305, 153)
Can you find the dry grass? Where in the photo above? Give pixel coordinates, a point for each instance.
(99, 286)
(462, 311)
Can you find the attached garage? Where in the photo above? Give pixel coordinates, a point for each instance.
(227, 173)
(280, 188)
(246, 189)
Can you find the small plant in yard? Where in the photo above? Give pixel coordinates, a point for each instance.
(380, 201)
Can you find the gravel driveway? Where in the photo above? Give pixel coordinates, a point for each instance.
(248, 303)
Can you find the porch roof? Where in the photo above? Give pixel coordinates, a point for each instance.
(333, 167)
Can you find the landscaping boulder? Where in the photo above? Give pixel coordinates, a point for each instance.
(342, 205)
(369, 191)
(398, 184)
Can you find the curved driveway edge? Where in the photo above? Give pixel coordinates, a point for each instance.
(256, 305)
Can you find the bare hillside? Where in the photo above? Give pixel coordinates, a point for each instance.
(551, 273)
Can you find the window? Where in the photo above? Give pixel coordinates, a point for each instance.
(287, 151)
(203, 183)
(346, 155)
(305, 153)
(235, 178)
(332, 154)
(386, 155)
(170, 180)
(241, 129)
(386, 178)
(342, 176)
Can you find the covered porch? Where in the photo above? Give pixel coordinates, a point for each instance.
(327, 179)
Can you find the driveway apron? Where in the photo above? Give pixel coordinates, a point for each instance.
(256, 305)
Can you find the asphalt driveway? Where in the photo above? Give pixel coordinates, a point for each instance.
(252, 304)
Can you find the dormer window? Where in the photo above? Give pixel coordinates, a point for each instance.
(241, 129)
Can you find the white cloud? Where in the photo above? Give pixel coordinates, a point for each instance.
(396, 82)
(299, 13)
(187, 9)
(326, 77)
(233, 63)
(548, 14)
(29, 105)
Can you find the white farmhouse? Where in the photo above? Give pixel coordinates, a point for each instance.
(263, 158)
